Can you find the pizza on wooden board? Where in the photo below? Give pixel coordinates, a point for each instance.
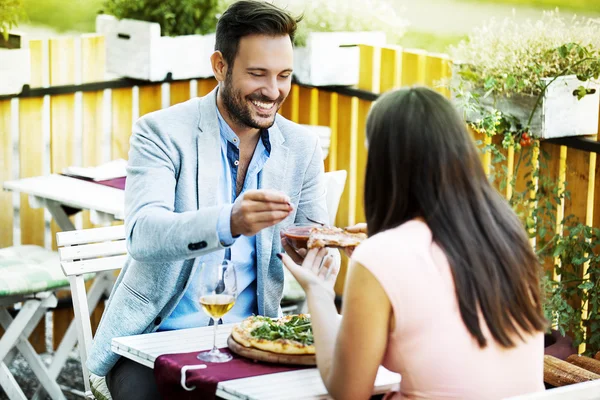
(333, 237)
(291, 334)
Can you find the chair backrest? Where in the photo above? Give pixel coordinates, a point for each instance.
(579, 391)
(335, 182)
(84, 252)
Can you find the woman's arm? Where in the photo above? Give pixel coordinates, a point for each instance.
(348, 352)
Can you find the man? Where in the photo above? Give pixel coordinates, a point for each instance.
(213, 178)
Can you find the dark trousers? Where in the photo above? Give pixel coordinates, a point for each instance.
(129, 380)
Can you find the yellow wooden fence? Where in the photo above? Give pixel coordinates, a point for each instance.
(54, 61)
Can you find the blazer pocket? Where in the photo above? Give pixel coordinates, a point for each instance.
(135, 293)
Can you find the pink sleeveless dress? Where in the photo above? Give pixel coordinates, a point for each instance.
(430, 346)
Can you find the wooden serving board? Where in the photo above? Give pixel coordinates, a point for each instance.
(267, 356)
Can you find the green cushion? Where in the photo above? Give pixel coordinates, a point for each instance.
(29, 269)
(99, 388)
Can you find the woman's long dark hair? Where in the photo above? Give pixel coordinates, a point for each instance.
(423, 163)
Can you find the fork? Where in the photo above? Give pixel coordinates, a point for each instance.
(315, 221)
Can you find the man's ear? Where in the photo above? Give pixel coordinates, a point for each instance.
(219, 66)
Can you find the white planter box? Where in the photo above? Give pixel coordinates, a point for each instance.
(326, 62)
(559, 113)
(15, 67)
(136, 49)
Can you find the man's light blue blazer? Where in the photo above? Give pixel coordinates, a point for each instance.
(171, 215)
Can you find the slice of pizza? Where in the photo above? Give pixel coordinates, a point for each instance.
(291, 334)
(333, 237)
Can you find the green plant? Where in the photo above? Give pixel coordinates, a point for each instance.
(176, 17)
(346, 15)
(579, 283)
(505, 58)
(11, 12)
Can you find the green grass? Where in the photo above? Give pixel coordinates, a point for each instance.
(431, 42)
(579, 6)
(62, 15)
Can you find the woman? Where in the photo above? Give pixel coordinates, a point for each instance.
(446, 290)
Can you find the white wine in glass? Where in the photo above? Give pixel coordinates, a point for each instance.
(217, 293)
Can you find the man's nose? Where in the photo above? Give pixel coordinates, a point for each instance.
(271, 89)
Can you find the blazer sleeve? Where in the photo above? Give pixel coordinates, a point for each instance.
(155, 233)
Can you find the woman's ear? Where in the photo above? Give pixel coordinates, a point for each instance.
(219, 66)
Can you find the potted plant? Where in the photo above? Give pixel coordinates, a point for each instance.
(159, 39)
(326, 51)
(540, 77)
(15, 68)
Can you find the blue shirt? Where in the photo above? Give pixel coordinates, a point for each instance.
(242, 250)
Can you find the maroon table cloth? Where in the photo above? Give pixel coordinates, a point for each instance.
(118, 183)
(167, 373)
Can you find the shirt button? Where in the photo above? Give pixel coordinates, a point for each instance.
(234, 140)
(236, 163)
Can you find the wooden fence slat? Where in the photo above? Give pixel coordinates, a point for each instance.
(62, 146)
(294, 99)
(304, 105)
(391, 68)
(346, 150)
(150, 99)
(323, 116)
(92, 140)
(6, 149)
(31, 148)
(334, 125)
(414, 67)
(369, 79)
(370, 68)
(31, 156)
(180, 92)
(93, 54)
(589, 220)
(437, 70)
(361, 160)
(122, 120)
(205, 86)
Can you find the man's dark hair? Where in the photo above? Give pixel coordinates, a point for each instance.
(251, 17)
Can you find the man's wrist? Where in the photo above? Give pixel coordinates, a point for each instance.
(226, 236)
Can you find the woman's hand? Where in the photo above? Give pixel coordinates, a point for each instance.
(358, 228)
(318, 270)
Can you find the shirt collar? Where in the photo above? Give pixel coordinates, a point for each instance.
(229, 135)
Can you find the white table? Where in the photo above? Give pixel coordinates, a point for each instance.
(301, 384)
(105, 203)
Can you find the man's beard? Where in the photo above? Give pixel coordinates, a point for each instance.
(240, 111)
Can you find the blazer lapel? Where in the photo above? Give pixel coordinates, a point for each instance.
(209, 151)
(272, 177)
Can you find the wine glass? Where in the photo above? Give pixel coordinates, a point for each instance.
(217, 293)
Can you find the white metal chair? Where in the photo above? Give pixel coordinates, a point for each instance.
(335, 182)
(29, 275)
(97, 250)
(579, 391)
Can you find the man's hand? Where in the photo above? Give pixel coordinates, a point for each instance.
(258, 209)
